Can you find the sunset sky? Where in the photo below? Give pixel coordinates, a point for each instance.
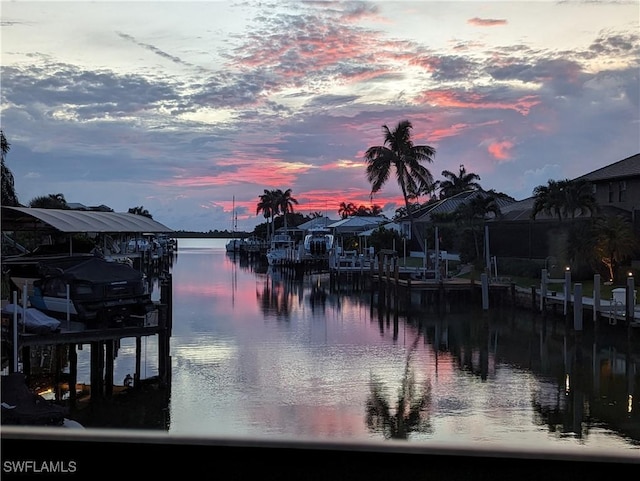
(182, 107)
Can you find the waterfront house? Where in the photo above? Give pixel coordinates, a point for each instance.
(515, 234)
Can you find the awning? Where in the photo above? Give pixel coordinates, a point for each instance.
(76, 221)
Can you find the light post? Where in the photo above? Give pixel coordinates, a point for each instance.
(546, 262)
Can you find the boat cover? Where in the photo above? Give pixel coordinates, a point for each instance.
(35, 321)
(96, 270)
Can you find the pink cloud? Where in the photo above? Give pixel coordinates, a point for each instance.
(501, 150)
(470, 100)
(485, 22)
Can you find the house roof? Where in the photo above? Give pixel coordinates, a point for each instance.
(629, 167)
(354, 224)
(450, 204)
(388, 226)
(316, 222)
(75, 221)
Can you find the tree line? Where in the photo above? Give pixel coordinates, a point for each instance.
(608, 240)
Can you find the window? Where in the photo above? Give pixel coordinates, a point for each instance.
(622, 191)
(610, 192)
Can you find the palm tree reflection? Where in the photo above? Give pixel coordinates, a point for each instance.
(411, 412)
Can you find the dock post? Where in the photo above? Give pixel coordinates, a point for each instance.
(15, 367)
(596, 297)
(543, 289)
(136, 374)
(577, 307)
(567, 290)
(73, 373)
(485, 290)
(109, 367)
(631, 301)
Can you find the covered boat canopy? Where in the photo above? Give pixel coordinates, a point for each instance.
(76, 221)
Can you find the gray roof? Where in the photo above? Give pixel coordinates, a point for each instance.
(75, 221)
(356, 223)
(450, 204)
(316, 222)
(629, 167)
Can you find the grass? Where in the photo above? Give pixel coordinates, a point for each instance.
(527, 282)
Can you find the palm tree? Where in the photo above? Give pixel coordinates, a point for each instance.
(267, 205)
(579, 198)
(548, 199)
(399, 153)
(474, 213)
(564, 198)
(9, 196)
(346, 209)
(140, 210)
(51, 201)
(615, 241)
(285, 203)
(457, 183)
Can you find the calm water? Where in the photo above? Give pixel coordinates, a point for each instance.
(257, 354)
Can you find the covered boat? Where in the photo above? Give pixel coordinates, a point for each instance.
(89, 289)
(21, 406)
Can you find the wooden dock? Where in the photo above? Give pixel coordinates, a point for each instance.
(384, 271)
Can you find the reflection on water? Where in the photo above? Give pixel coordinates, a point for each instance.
(259, 353)
(411, 412)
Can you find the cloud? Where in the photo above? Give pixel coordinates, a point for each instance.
(486, 22)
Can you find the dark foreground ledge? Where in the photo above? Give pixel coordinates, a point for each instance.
(63, 453)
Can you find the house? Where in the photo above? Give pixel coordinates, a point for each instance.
(424, 216)
(515, 234)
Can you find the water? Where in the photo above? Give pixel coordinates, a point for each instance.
(257, 354)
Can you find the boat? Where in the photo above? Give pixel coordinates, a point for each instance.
(22, 406)
(87, 289)
(253, 245)
(282, 249)
(318, 243)
(235, 244)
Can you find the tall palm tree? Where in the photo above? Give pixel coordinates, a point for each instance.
(456, 183)
(285, 202)
(267, 205)
(400, 154)
(9, 196)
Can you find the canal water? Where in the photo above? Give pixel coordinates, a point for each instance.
(258, 354)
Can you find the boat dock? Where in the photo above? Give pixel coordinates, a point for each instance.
(384, 273)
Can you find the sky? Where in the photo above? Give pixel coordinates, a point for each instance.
(192, 110)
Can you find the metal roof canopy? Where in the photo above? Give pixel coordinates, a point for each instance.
(75, 221)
